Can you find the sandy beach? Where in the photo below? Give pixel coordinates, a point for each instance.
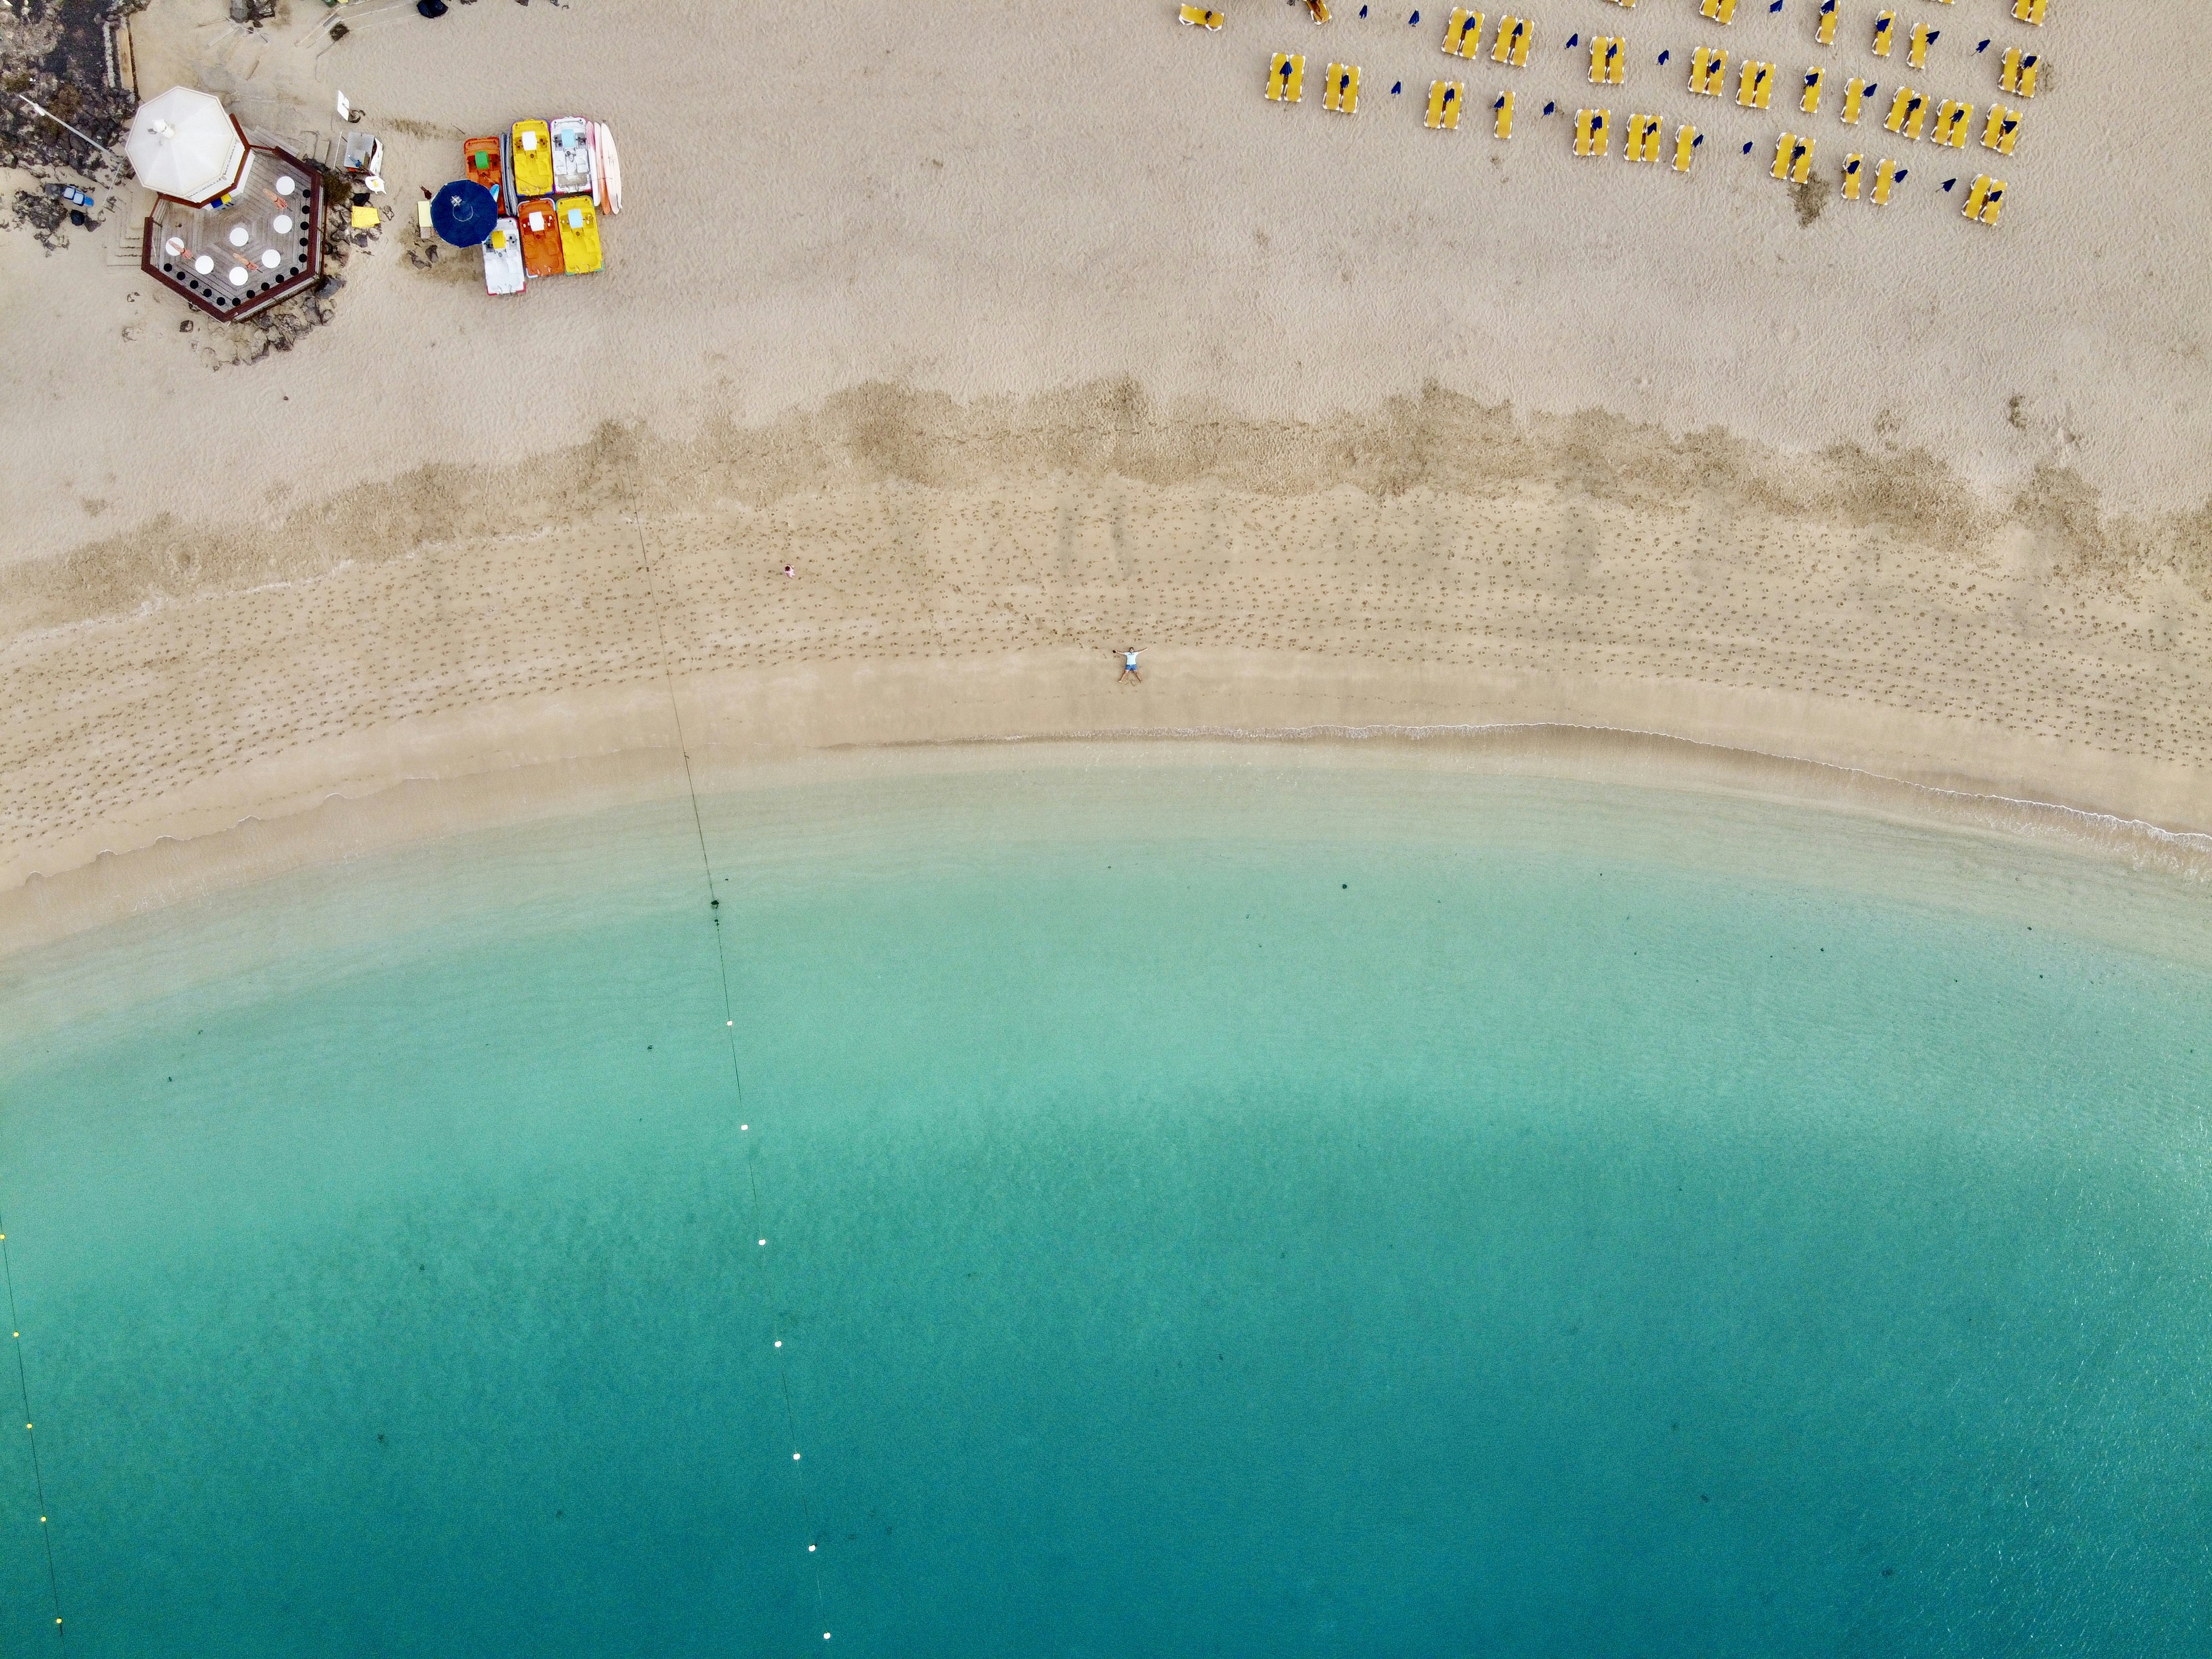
(1023, 340)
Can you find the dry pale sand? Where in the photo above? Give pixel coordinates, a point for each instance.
(1023, 337)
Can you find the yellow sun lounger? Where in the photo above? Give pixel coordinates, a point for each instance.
(1708, 70)
(1793, 158)
(1687, 140)
(1593, 132)
(1515, 36)
(1908, 114)
(1644, 132)
(2004, 130)
(1624, 3)
(1608, 59)
(1985, 200)
(1854, 176)
(2030, 11)
(1885, 33)
(1923, 38)
(1446, 99)
(1826, 32)
(1854, 97)
(1318, 9)
(1886, 176)
(1286, 77)
(1756, 89)
(1341, 94)
(1504, 108)
(1815, 80)
(1200, 18)
(1951, 122)
(1718, 11)
(1463, 34)
(2019, 76)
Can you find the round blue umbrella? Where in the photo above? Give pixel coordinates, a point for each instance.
(464, 213)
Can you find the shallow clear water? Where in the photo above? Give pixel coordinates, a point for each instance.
(1298, 1227)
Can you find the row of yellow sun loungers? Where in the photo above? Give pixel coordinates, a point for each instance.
(1793, 155)
(1594, 135)
(1708, 77)
(1921, 38)
(1907, 117)
(1723, 11)
(1341, 93)
(1708, 65)
(1514, 37)
(1755, 87)
(1885, 174)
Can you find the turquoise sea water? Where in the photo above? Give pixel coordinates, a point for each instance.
(1325, 1215)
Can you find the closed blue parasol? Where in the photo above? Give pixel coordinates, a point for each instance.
(464, 213)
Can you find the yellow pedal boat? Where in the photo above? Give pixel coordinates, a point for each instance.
(530, 156)
(580, 235)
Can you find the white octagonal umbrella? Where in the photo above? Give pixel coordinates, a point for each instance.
(184, 144)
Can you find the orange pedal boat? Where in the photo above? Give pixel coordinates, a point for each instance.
(541, 238)
(480, 160)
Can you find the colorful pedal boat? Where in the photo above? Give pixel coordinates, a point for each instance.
(540, 229)
(504, 272)
(574, 171)
(480, 162)
(532, 156)
(580, 235)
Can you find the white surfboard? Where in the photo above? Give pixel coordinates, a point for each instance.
(609, 160)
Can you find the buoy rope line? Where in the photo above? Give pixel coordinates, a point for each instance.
(31, 1433)
(736, 1078)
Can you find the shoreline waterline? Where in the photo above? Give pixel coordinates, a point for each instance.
(496, 847)
(341, 828)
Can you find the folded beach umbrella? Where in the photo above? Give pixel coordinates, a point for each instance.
(184, 145)
(464, 213)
